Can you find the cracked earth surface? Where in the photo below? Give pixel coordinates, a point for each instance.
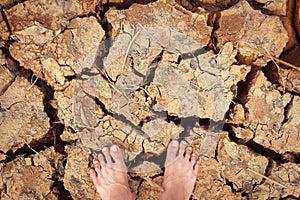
(79, 75)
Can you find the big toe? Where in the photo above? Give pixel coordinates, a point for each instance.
(172, 151)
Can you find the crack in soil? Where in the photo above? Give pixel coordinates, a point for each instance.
(213, 19)
(287, 110)
(52, 137)
(6, 20)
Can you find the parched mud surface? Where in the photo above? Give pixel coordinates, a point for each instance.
(80, 75)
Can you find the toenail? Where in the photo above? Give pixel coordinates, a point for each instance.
(184, 142)
(190, 148)
(174, 143)
(104, 149)
(114, 148)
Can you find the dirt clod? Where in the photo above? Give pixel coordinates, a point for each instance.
(23, 118)
(54, 48)
(171, 15)
(274, 7)
(253, 33)
(236, 160)
(24, 181)
(76, 178)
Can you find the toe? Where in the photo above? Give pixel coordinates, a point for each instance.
(101, 159)
(117, 155)
(193, 159)
(183, 145)
(188, 153)
(172, 151)
(106, 153)
(93, 176)
(97, 167)
(196, 167)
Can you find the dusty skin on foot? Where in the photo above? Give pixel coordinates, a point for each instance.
(181, 168)
(110, 175)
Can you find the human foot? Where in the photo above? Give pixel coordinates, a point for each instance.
(181, 169)
(110, 176)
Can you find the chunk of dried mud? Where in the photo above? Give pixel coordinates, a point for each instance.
(278, 7)
(134, 185)
(214, 5)
(150, 188)
(25, 181)
(55, 58)
(7, 62)
(4, 32)
(263, 94)
(210, 184)
(77, 178)
(251, 31)
(289, 131)
(63, 102)
(237, 114)
(297, 16)
(269, 125)
(288, 23)
(288, 78)
(235, 161)
(149, 169)
(54, 15)
(9, 3)
(203, 141)
(244, 134)
(189, 5)
(156, 14)
(232, 74)
(267, 122)
(23, 118)
(286, 175)
(49, 160)
(158, 141)
(68, 136)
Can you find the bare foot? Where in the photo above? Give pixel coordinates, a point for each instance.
(181, 169)
(110, 177)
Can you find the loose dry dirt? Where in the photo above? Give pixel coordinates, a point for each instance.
(79, 75)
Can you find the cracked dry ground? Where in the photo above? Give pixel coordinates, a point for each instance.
(56, 115)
